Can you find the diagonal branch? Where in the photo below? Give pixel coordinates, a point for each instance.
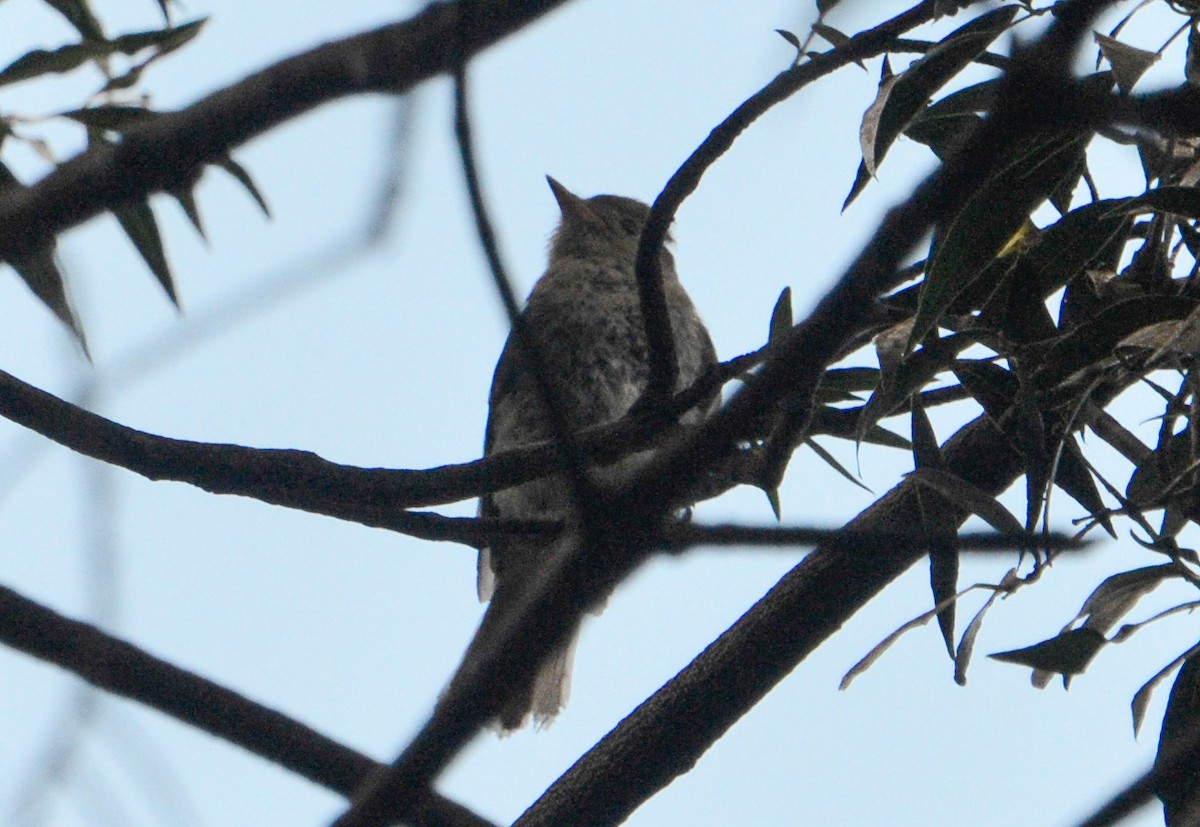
(125, 670)
(664, 737)
(171, 151)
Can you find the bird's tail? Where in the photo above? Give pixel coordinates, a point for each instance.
(546, 696)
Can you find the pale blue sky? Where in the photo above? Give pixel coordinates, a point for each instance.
(387, 361)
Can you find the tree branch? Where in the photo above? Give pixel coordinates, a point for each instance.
(302, 480)
(665, 736)
(125, 670)
(567, 453)
(685, 180)
(668, 733)
(171, 151)
(850, 540)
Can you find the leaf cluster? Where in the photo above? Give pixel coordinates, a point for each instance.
(115, 107)
(1041, 300)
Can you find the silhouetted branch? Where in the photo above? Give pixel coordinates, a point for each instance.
(685, 180)
(169, 152)
(300, 479)
(668, 733)
(665, 735)
(123, 669)
(569, 457)
(579, 576)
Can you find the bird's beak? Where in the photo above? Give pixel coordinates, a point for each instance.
(570, 204)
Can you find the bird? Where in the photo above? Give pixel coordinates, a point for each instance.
(584, 317)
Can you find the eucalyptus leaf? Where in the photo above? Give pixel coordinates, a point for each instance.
(140, 225)
(239, 172)
(1068, 653)
(1128, 62)
(969, 498)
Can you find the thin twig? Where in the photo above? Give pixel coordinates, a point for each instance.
(685, 180)
(569, 456)
(685, 536)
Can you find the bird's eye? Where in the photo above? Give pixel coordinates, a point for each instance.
(631, 226)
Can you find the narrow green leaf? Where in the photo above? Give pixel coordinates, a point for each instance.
(966, 646)
(773, 499)
(41, 61)
(187, 200)
(79, 14)
(1091, 344)
(986, 223)
(239, 172)
(832, 462)
(125, 80)
(1080, 240)
(926, 452)
(939, 523)
(1119, 593)
(164, 40)
(41, 274)
(1076, 479)
(861, 179)
(945, 125)
(1154, 475)
(111, 118)
(1128, 63)
(67, 58)
(912, 89)
(850, 380)
(970, 498)
(1067, 654)
(789, 37)
(1179, 787)
(870, 132)
(900, 381)
(945, 136)
(835, 38)
(781, 316)
(140, 225)
(879, 435)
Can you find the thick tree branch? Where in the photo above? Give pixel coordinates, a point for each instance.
(123, 669)
(665, 736)
(668, 733)
(170, 152)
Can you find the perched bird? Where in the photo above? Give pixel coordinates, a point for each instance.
(585, 318)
